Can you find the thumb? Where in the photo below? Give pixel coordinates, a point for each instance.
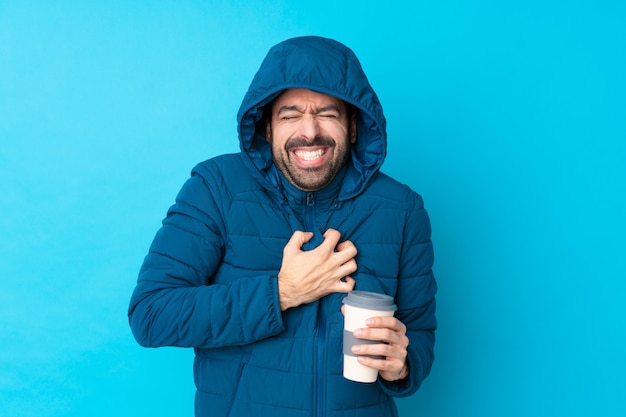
(297, 240)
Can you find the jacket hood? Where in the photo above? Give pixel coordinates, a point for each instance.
(328, 67)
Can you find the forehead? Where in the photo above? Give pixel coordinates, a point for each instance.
(302, 97)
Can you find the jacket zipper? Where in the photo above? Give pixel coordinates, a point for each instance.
(320, 380)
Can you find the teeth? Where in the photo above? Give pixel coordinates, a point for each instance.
(309, 155)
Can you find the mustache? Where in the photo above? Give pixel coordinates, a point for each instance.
(301, 142)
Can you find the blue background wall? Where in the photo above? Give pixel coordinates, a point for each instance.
(508, 117)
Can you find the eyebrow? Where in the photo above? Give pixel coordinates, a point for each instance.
(323, 109)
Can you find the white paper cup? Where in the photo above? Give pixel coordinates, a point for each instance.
(360, 306)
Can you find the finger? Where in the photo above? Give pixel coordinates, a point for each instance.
(346, 268)
(379, 349)
(331, 238)
(297, 240)
(344, 286)
(350, 280)
(394, 356)
(377, 334)
(383, 334)
(347, 248)
(389, 365)
(345, 245)
(387, 322)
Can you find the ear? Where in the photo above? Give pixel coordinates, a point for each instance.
(352, 128)
(268, 130)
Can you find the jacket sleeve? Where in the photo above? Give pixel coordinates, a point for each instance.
(174, 302)
(415, 299)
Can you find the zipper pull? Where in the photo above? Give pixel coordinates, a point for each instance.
(310, 199)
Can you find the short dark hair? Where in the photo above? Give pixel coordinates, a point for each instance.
(351, 109)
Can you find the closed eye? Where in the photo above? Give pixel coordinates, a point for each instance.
(330, 111)
(289, 112)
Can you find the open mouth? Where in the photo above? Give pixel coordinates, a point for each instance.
(310, 157)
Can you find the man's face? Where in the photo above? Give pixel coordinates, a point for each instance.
(310, 136)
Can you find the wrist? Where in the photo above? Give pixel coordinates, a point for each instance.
(285, 300)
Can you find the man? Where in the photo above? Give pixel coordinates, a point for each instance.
(253, 261)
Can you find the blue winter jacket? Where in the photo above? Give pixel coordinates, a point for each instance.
(209, 280)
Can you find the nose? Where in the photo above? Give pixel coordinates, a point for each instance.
(309, 127)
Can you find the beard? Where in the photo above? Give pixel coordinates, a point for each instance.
(311, 178)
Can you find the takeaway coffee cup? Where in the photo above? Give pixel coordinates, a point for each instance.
(360, 306)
